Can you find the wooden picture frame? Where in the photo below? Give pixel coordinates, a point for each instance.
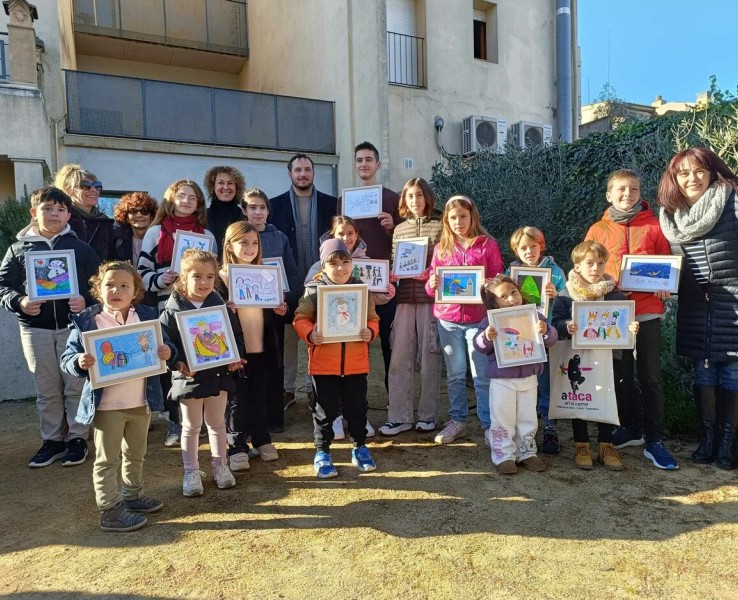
(207, 337)
(278, 261)
(532, 282)
(650, 273)
(256, 286)
(375, 273)
(184, 240)
(410, 257)
(518, 341)
(361, 202)
(51, 275)
(459, 285)
(603, 324)
(342, 312)
(124, 353)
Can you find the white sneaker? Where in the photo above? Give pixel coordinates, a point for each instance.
(389, 429)
(338, 433)
(192, 483)
(268, 452)
(223, 477)
(451, 430)
(370, 433)
(240, 462)
(425, 426)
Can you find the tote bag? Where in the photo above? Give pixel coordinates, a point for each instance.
(582, 384)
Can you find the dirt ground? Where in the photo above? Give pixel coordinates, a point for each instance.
(431, 522)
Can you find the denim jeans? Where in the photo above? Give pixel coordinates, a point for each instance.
(724, 375)
(456, 341)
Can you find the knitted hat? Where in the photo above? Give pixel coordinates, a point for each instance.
(329, 247)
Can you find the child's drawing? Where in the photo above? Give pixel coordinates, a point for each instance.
(341, 312)
(650, 273)
(517, 340)
(603, 324)
(410, 257)
(208, 339)
(532, 282)
(362, 202)
(184, 240)
(51, 275)
(255, 285)
(374, 273)
(459, 284)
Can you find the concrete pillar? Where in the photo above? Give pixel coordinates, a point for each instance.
(28, 173)
(22, 41)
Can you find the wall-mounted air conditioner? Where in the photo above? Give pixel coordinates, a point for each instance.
(529, 135)
(483, 132)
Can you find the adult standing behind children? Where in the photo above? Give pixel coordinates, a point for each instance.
(133, 216)
(224, 186)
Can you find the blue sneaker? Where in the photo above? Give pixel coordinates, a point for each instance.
(624, 436)
(362, 459)
(657, 453)
(323, 465)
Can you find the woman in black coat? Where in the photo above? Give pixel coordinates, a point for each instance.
(224, 186)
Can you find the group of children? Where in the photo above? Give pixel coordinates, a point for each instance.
(232, 399)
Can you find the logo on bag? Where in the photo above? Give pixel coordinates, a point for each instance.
(574, 372)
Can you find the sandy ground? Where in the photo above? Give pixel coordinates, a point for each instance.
(431, 522)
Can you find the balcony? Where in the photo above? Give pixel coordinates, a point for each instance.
(4, 61)
(200, 34)
(405, 60)
(146, 109)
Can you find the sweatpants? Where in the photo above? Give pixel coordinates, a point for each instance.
(514, 421)
(337, 395)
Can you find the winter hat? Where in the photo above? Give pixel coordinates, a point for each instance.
(329, 247)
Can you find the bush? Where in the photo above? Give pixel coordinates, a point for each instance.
(14, 216)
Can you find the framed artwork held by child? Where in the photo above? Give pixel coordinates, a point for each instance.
(276, 261)
(410, 256)
(51, 275)
(361, 202)
(532, 282)
(184, 240)
(518, 341)
(650, 273)
(603, 324)
(374, 273)
(255, 285)
(207, 337)
(342, 312)
(459, 285)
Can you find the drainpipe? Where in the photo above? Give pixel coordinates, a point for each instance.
(563, 71)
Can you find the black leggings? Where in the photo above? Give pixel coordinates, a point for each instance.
(247, 407)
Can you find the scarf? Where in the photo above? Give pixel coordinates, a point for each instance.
(307, 249)
(625, 216)
(169, 225)
(581, 290)
(686, 225)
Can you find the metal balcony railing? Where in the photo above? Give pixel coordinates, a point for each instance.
(211, 25)
(405, 60)
(4, 62)
(147, 109)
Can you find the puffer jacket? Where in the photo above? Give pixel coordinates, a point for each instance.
(642, 235)
(484, 251)
(344, 358)
(411, 290)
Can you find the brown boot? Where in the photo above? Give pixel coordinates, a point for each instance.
(608, 456)
(533, 463)
(582, 457)
(507, 467)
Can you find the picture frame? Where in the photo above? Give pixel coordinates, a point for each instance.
(124, 353)
(184, 240)
(278, 261)
(650, 273)
(375, 273)
(518, 341)
(256, 286)
(342, 312)
(532, 282)
(207, 337)
(410, 257)
(51, 275)
(361, 202)
(459, 285)
(603, 324)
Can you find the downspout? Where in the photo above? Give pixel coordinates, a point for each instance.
(563, 71)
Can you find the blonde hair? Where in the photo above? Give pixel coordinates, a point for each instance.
(190, 258)
(117, 265)
(528, 231)
(71, 176)
(589, 248)
(448, 239)
(236, 232)
(166, 208)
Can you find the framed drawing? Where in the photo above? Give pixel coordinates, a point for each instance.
(532, 282)
(124, 353)
(374, 273)
(342, 312)
(255, 285)
(603, 324)
(51, 275)
(184, 240)
(276, 261)
(518, 341)
(207, 337)
(361, 202)
(650, 273)
(410, 257)
(459, 285)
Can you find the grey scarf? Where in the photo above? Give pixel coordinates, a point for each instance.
(686, 225)
(307, 249)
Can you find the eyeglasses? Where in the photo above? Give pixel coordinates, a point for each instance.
(140, 211)
(86, 185)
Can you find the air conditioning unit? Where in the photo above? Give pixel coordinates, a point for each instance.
(483, 132)
(529, 135)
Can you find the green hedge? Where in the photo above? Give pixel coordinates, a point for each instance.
(14, 216)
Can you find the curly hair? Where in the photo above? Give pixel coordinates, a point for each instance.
(134, 200)
(117, 265)
(70, 177)
(212, 174)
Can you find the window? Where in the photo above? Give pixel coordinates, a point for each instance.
(485, 31)
(480, 38)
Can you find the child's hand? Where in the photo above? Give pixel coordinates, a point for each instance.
(366, 334)
(32, 309)
(391, 291)
(662, 295)
(386, 221)
(490, 333)
(168, 277)
(423, 276)
(542, 327)
(393, 278)
(164, 352)
(633, 327)
(433, 281)
(551, 290)
(85, 361)
(231, 305)
(571, 328)
(237, 365)
(315, 337)
(76, 304)
(281, 310)
(181, 366)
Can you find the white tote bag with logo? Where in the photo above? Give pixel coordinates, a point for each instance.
(582, 384)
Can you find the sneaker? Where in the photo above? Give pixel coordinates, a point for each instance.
(174, 434)
(623, 437)
(142, 504)
(657, 453)
(121, 519)
(389, 429)
(533, 463)
(582, 456)
(192, 483)
(338, 433)
(223, 477)
(267, 452)
(50, 451)
(203, 431)
(76, 452)
(240, 461)
(451, 430)
(323, 465)
(609, 457)
(370, 433)
(362, 459)
(288, 399)
(507, 467)
(550, 441)
(425, 426)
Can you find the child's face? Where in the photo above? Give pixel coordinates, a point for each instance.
(246, 248)
(624, 193)
(51, 218)
(415, 201)
(347, 234)
(529, 251)
(507, 294)
(117, 289)
(590, 268)
(200, 281)
(225, 187)
(459, 221)
(256, 211)
(185, 202)
(338, 270)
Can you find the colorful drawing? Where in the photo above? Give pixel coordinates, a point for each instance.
(459, 285)
(208, 340)
(410, 257)
(532, 282)
(276, 261)
(342, 312)
(650, 273)
(362, 202)
(374, 273)
(603, 324)
(255, 285)
(518, 341)
(51, 275)
(128, 351)
(207, 337)
(184, 240)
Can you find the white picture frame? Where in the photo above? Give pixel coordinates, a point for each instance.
(51, 275)
(518, 341)
(279, 262)
(650, 273)
(459, 284)
(375, 273)
(410, 257)
(207, 337)
(342, 312)
(256, 286)
(361, 202)
(184, 240)
(532, 282)
(603, 324)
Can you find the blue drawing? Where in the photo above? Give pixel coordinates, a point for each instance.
(125, 353)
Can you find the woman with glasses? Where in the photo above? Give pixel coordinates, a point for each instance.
(133, 216)
(89, 223)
